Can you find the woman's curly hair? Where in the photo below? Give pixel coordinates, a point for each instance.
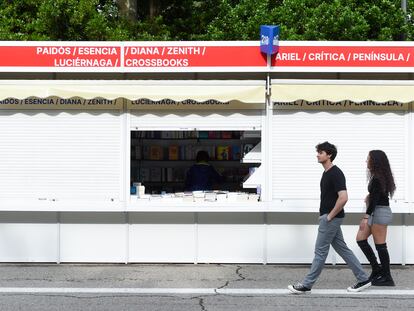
(379, 168)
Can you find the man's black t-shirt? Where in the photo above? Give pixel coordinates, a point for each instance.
(332, 182)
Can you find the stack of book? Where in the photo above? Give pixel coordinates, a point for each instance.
(210, 196)
(221, 196)
(254, 197)
(202, 196)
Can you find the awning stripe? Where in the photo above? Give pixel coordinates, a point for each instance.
(339, 90)
(223, 91)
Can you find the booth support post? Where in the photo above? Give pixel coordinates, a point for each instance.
(126, 214)
(404, 240)
(125, 160)
(58, 238)
(196, 238)
(266, 159)
(409, 151)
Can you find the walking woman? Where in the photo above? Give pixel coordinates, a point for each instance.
(377, 217)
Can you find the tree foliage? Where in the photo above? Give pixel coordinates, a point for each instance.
(62, 20)
(205, 20)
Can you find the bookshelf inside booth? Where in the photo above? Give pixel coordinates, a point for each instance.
(160, 159)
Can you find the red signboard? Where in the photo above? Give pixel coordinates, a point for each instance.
(174, 56)
(60, 56)
(241, 56)
(344, 56)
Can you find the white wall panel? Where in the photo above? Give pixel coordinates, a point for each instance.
(292, 243)
(92, 243)
(409, 246)
(60, 155)
(28, 242)
(162, 243)
(408, 233)
(162, 237)
(230, 238)
(92, 237)
(295, 171)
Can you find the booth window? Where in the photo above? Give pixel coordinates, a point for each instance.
(160, 161)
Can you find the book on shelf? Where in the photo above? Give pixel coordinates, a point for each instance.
(155, 174)
(187, 152)
(138, 153)
(226, 135)
(144, 174)
(211, 152)
(235, 152)
(178, 174)
(203, 134)
(174, 174)
(145, 152)
(173, 152)
(167, 135)
(223, 153)
(237, 134)
(214, 134)
(156, 153)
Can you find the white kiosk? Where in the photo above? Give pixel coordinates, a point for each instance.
(74, 114)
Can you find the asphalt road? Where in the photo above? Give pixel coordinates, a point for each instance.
(192, 287)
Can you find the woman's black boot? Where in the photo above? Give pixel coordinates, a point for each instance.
(385, 278)
(369, 253)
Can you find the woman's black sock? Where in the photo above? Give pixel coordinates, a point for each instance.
(369, 253)
(385, 278)
(384, 258)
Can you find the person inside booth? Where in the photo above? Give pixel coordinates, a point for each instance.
(202, 176)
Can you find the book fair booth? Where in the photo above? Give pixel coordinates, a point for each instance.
(97, 139)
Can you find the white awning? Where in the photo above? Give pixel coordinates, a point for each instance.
(201, 90)
(342, 90)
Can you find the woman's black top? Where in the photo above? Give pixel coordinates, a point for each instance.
(376, 196)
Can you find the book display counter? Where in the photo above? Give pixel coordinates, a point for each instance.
(160, 161)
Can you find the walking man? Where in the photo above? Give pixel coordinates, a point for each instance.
(333, 199)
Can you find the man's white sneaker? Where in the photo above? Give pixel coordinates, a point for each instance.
(299, 289)
(360, 286)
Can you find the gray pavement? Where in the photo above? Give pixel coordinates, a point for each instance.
(183, 287)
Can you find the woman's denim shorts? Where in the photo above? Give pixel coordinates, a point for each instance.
(382, 215)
